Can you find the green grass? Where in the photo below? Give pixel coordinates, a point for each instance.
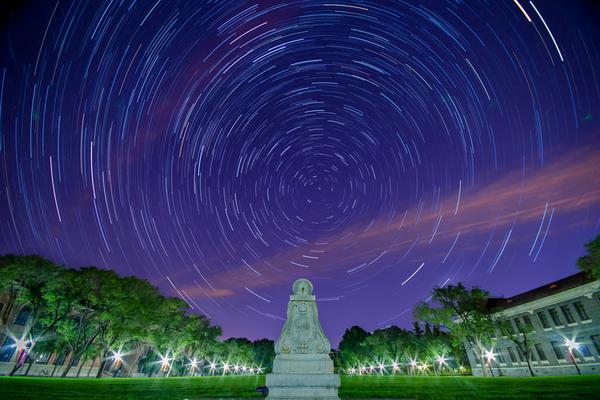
(129, 388)
(469, 387)
(421, 388)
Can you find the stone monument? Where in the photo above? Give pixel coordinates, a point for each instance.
(302, 368)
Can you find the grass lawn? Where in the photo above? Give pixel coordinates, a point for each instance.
(422, 388)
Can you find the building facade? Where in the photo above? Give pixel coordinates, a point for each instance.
(45, 364)
(562, 324)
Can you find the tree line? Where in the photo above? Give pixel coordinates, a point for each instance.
(426, 349)
(95, 313)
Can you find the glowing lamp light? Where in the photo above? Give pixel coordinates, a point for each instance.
(489, 355)
(213, 365)
(259, 370)
(441, 360)
(194, 364)
(371, 368)
(21, 344)
(395, 366)
(225, 367)
(236, 368)
(413, 363)
(381, 367)
(117, 356)
(164, 360)
(571, 344)
(352, 371)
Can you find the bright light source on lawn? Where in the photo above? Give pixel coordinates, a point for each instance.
(489, 355)
(441, 360)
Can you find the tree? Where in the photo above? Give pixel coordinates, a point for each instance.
(464, 314)
(590, 263)
(29, 281)
(95, 290)
(521, 337)
(54, 305)
(351, 350)
(124, 320)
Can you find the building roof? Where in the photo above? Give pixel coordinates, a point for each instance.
(549, 289)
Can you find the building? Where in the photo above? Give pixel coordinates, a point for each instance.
(47, 364)
(562, 324)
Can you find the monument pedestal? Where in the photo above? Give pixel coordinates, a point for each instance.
(302, 368)
(303, 376)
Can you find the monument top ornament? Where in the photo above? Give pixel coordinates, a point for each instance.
(302, 332)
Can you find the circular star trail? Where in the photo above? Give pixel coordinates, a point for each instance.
(223, 149)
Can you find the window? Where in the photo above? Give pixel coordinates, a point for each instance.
(596, 341)
(8, 349)
(567, 312)
(527, 322)
(476, 357)
(583, 315)
(75, 361)
(540, 352)
(43, 358)
(520, 353)
(60, 359)
(500, 357)
(23, 316)
(559, 350)
(518, 325)
(532, 353)
(543, 319)
(583, 347)
(511, 353)
(555, 317)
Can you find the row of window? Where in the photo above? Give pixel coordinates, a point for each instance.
(519, 324)
(566, 312)
(22, 317)
(8, 350)
(538, 352)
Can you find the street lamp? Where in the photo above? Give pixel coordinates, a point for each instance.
(117, 357)
(571, 345)
(164, 362)
(395, 366)
(489, 355)
(441, 360)
(193, 365)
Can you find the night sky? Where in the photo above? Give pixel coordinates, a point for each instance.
(379, 148)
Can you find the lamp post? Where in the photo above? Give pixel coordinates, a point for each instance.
(413, 365)
(489, 355)
(571, 344)
(441, 360)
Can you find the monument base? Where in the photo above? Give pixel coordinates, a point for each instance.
(303, 386)
(303, 376)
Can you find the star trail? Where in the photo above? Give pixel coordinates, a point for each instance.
(222, 149)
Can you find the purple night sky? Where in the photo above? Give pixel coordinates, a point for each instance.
(223, 149)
